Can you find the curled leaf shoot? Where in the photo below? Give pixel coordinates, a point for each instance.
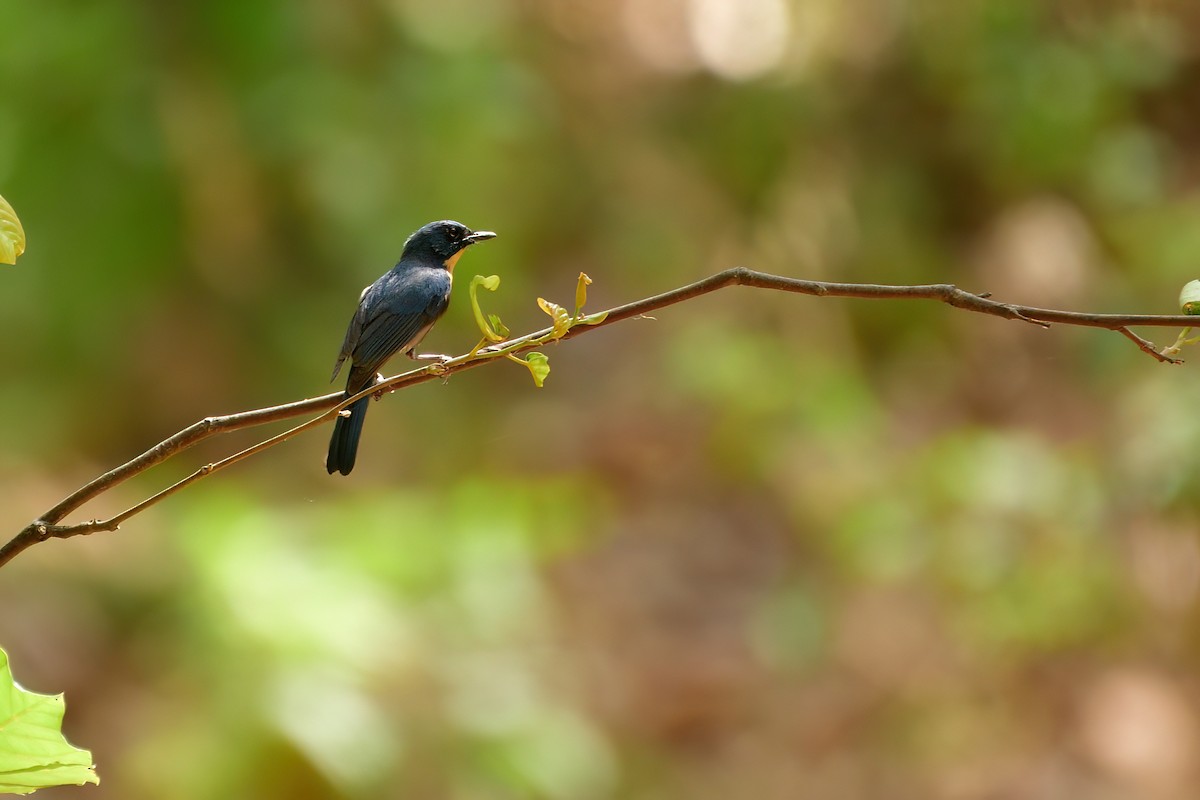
(491, 283)
(581, 294)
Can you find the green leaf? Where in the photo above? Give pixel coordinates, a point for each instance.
(539, 367)
(562, 322)
(595, 319)
(498, 326)
(491, 283)
(537, 364)
(581, 292)
(12, 235)
(1189, 298)
(33, 752)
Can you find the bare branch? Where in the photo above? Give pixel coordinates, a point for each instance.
(326, 407)
(1147, 347)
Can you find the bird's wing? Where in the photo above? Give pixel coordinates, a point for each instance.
(353, 331)
(396, 316)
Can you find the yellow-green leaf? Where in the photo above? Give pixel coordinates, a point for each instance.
(537, 364)
(1189, 298)
(12, 235)
(562, 322)
(581, 292)
(539, 367)
(33, 752)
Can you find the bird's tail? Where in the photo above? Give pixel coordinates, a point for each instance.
(343, 445)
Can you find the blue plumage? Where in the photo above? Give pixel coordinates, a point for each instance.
(394, 313)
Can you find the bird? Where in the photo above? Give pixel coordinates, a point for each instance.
(394, 313)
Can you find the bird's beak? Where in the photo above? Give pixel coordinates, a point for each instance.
(479, 236)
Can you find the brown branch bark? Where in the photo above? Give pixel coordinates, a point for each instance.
(48, 525)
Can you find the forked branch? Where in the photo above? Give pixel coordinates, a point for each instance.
(49, 524)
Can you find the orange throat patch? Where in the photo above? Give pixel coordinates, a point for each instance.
(452, 260)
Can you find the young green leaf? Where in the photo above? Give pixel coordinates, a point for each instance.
(539, 367)
(12, 235)
(498, 326)
(33, 752)
(581, 293)
(562, 322)
(537, 364)
(1189, 298)
(491, 283)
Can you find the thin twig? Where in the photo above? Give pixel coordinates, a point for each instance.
(326, 407)
(1147, 347)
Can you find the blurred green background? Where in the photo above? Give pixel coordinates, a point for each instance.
(765, 546)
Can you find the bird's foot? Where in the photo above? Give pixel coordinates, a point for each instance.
(438, 365)
(380, 379)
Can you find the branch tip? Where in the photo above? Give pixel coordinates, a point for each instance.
(1147, 347)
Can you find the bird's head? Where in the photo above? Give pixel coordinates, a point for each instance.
(443, 241)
